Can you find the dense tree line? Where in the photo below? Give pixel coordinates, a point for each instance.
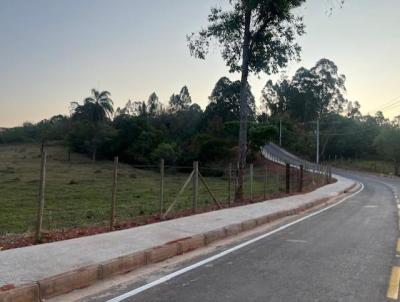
(318, 94)
(142, 132)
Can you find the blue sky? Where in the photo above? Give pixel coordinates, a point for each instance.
(53, 52)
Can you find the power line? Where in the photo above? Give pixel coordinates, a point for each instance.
(392, 102)
(335, 134)
(392, 106)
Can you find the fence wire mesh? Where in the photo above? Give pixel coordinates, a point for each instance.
(78, 193)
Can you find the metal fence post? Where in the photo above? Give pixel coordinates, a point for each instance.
(161, 186)
(287, 178)
(195, 185)
(114, 193)
(42, 183)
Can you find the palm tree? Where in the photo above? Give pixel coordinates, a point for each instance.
(97, 110)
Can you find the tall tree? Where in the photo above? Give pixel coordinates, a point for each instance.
(310, 94)
(180, 102)
(96, 109)
(274, 97)
(225, 101)
(380, 118)
(353, 110)
(153, 104)
(255, 36)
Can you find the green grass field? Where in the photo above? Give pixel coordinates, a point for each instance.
(375, 166)
(78, 192)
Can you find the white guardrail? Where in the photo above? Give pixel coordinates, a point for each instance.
(283, 157)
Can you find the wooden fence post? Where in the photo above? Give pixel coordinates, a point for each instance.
(42, 183)
(195, 186)
(278, 178)
(251, 181)
(229, 182)
(313, 175)
(114, 194)
(287, 178)
(265, 181)
(301, 176)
(161, 186)
(236, 180)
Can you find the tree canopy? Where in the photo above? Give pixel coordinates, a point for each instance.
(224, 101)
(181, 101)
(310, 94)
(272, 30)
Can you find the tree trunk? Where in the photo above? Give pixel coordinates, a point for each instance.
(243, 106)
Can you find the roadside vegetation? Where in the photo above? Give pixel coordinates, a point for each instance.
(180, 131)
(78, 191)
(373, 166)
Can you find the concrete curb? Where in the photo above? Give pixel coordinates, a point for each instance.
(86, 276)
(24, 293)
(65, 282)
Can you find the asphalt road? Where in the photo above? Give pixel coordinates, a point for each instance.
(343, 254)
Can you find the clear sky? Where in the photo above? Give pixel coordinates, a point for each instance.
(53, 52)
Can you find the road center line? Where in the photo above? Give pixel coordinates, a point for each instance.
(296, 241)
(226, 252)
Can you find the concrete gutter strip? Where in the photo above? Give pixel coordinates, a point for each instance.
(44, 271)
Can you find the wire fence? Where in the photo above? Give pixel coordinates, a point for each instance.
(78, 194)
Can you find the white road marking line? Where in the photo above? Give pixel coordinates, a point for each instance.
(371, 206)
(296, 241)
(224, 253)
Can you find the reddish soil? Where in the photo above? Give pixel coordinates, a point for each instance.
(16, 241)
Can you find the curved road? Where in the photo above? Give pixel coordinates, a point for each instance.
(345, 253)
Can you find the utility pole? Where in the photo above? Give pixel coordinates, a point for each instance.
(280, 132)
(317, 160)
